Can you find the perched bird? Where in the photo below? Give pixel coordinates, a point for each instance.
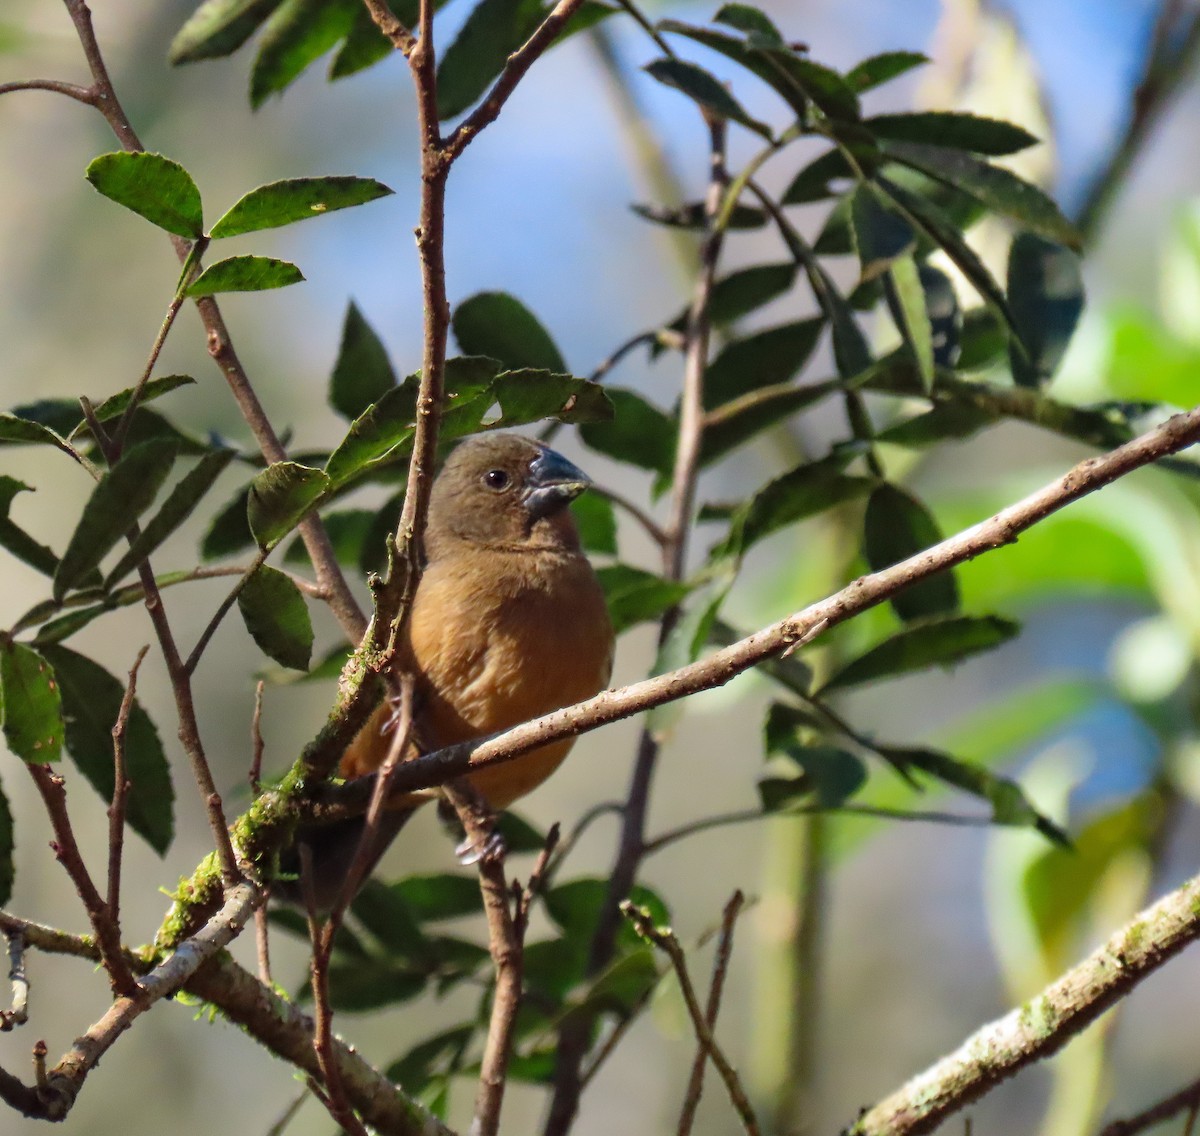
(508, 623)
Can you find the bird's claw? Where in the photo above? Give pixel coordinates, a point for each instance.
(469, 852)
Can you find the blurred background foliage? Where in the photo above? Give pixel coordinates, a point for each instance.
(894, 939)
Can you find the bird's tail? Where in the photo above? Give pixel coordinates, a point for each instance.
(334, 848)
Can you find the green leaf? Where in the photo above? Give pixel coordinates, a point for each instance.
(347, 530)
(91, 705)
(812, 182)
(956, 130)
(597, 523)
(1045, 295)
(280, 497)
(736, 422)
(362, 374)
(820, 84)
(368, 983)
(998, 189)
(895, 527)
(882, 68)
(694, 216)
(439, 1053)
(115, 404)
(529, 396)
(765, 358)
(297, 34)
(296, 199)
(385, 914)
(830, 775)
(7, 844)
(881, 235)
(442, 895)
(946, 420)
(174, 511)
(364, 45)
(229, 532)
(18, 430)
(152, 186)
(491, 33)
(745, 291)
(808, 489)
(705, 90)
(33, 717)
(639, 434)
(940, 643)
(635, 596)
(746, 18)
(15, 539)
(217, 28)
(983, 340)
(1009, 804)
(276, 616)
(120, 497)
(244, 274)
(500, 326)
(944, 314)
(904, 289)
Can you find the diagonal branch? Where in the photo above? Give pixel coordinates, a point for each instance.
(1044, 1024)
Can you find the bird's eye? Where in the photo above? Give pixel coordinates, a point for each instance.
(496, 479)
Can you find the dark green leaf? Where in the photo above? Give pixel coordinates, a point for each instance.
(229, 532)
(383, 912)
(297, 34)
(738, 421)
(624, 986)
(347, 530)
(15, 429)
(276, 616)
(983, 340)
(705, 90)
(995, 187)
(115, 404)
(575, 906)
(881, 235)
(446, 895)
(830, 775)
(369, 983)
(765, 358)
(364, 45)
(362, 374)
(597, 523)
(152, 186)
(812, 182)
(7, 845)
(218, 27)
(120, 497)
(897, 526)
(33, 717)
(822, 85)
(16, 540)
(635, 596)
(529, 396)
(91, 705)
(945, 316)
(882, 68)
(804, 491)
(745, 291)
(280, 497)
(694, 216)
(500, 326)
(174, 511)
(518, 834)
(244, 274)
(492, 32)
(906, 298)
(746, 18)
(941, 643)
(1045, 295)
(946, 420)
(1009, 804)
(438, 1053)
(639, 434)
(954, 129)
(296, 199)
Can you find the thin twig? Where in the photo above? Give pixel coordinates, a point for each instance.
(691, 1099)
(54, 797)
(664, 938)
(1186, 1099)
(257, 746)
(504, 944)
(653, 530)
(85, 95)
(385, 20)
(121, 785)
(642, 337)
(210, 629)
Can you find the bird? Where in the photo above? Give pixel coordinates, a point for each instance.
(508, 623)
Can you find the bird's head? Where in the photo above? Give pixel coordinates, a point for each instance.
(503, 490)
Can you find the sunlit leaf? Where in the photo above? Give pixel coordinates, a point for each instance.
(297, 34)
(297, 199)
(954, 129)
(152, 186)
(217, 28)
(362, 374)
(280, 497)
(635, 596)
(244, 274)
(33, 716)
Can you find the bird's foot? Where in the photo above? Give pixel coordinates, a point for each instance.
(491, 847)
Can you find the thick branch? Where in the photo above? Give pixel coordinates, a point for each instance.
(1044, 1024)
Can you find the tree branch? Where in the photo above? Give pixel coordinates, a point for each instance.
(1044, 1024)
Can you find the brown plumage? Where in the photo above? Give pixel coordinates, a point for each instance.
(508, 623)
